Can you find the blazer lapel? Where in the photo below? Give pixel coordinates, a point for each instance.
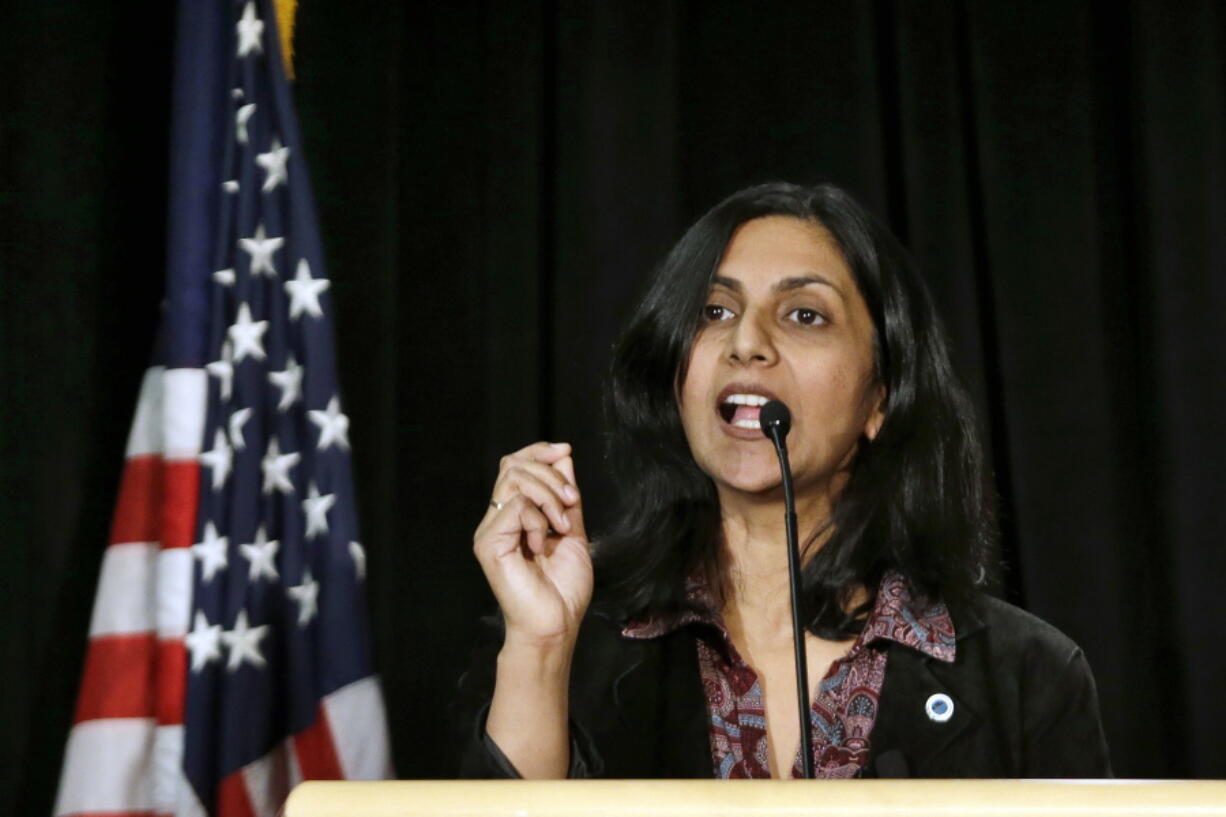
(649, 715)
(920, 700)
(687, 749)
(660, 697)
(927, 705)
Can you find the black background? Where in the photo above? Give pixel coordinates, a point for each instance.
(495, 182)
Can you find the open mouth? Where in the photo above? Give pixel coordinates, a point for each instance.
(742, 410)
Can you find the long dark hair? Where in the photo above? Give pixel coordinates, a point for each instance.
(915, 501)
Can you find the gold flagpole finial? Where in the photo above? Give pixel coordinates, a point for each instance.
(286, 11)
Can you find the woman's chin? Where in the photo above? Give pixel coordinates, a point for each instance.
(755, 485)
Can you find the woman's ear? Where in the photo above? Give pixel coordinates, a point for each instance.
(876, 417)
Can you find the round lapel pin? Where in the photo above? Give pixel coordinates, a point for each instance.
(940, 707)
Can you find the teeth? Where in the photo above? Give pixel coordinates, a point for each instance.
(746, 400)
(748, 424)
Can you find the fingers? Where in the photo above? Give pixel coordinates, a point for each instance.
(518, 522)
(574, 513)
(534, 525)
(541, 483)
(534, 496)
(541, 459)
(548, 453)
(530, 470)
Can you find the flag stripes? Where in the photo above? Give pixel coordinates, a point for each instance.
(124, 751)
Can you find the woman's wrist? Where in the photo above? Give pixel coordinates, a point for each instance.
(528, 717)
(535, 657)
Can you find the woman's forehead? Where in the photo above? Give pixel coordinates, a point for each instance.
(781, 253)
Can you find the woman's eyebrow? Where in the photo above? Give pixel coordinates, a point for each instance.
(801, 281)
(786, 285)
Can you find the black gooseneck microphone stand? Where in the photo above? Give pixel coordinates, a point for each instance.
(776, 422)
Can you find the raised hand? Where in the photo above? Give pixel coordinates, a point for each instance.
(533, 547)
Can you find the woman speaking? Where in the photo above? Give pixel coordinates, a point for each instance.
(680, 663)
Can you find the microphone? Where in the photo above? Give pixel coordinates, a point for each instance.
(776, 422)
(775, 419)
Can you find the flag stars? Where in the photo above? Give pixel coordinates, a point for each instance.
(244, 643)
(247, 335)
(223, 370)
(304, 292)
(333, 426)
(289, 381)
(211, 552)
(237, 420)
(307, 596)
(261, 555)
(218, 459)
(250, 30)
(241, 117)
(230, 185)
(273, 163)
(317, 508)
(260, 247)
(276, 469)
(204, 642)
(225, 277)
(358, 554)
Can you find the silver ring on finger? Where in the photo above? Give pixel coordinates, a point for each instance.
(496, 505)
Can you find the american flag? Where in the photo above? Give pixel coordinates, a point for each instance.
(228, 655)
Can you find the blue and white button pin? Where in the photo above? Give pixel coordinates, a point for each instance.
(940, 707)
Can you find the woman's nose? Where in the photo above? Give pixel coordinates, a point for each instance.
(751, 341)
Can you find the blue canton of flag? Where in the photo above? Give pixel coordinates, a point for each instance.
(280, 685)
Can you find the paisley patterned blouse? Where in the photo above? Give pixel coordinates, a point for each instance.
(845, 706)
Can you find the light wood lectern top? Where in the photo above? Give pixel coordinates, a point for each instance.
(748, 798)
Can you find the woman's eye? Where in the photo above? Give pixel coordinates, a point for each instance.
(714, 312)
(807, 317)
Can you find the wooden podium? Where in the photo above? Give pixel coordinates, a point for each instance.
(743, 798)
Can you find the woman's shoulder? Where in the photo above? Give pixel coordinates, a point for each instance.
(1009, 630)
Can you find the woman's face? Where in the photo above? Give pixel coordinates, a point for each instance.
(784, 320)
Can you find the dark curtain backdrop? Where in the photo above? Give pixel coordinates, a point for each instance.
(495, 182)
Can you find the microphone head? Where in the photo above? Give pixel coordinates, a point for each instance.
(775, 418)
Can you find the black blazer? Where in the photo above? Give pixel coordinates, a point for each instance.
(1024, 705)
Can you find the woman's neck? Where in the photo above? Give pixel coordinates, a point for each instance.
(754, 561)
